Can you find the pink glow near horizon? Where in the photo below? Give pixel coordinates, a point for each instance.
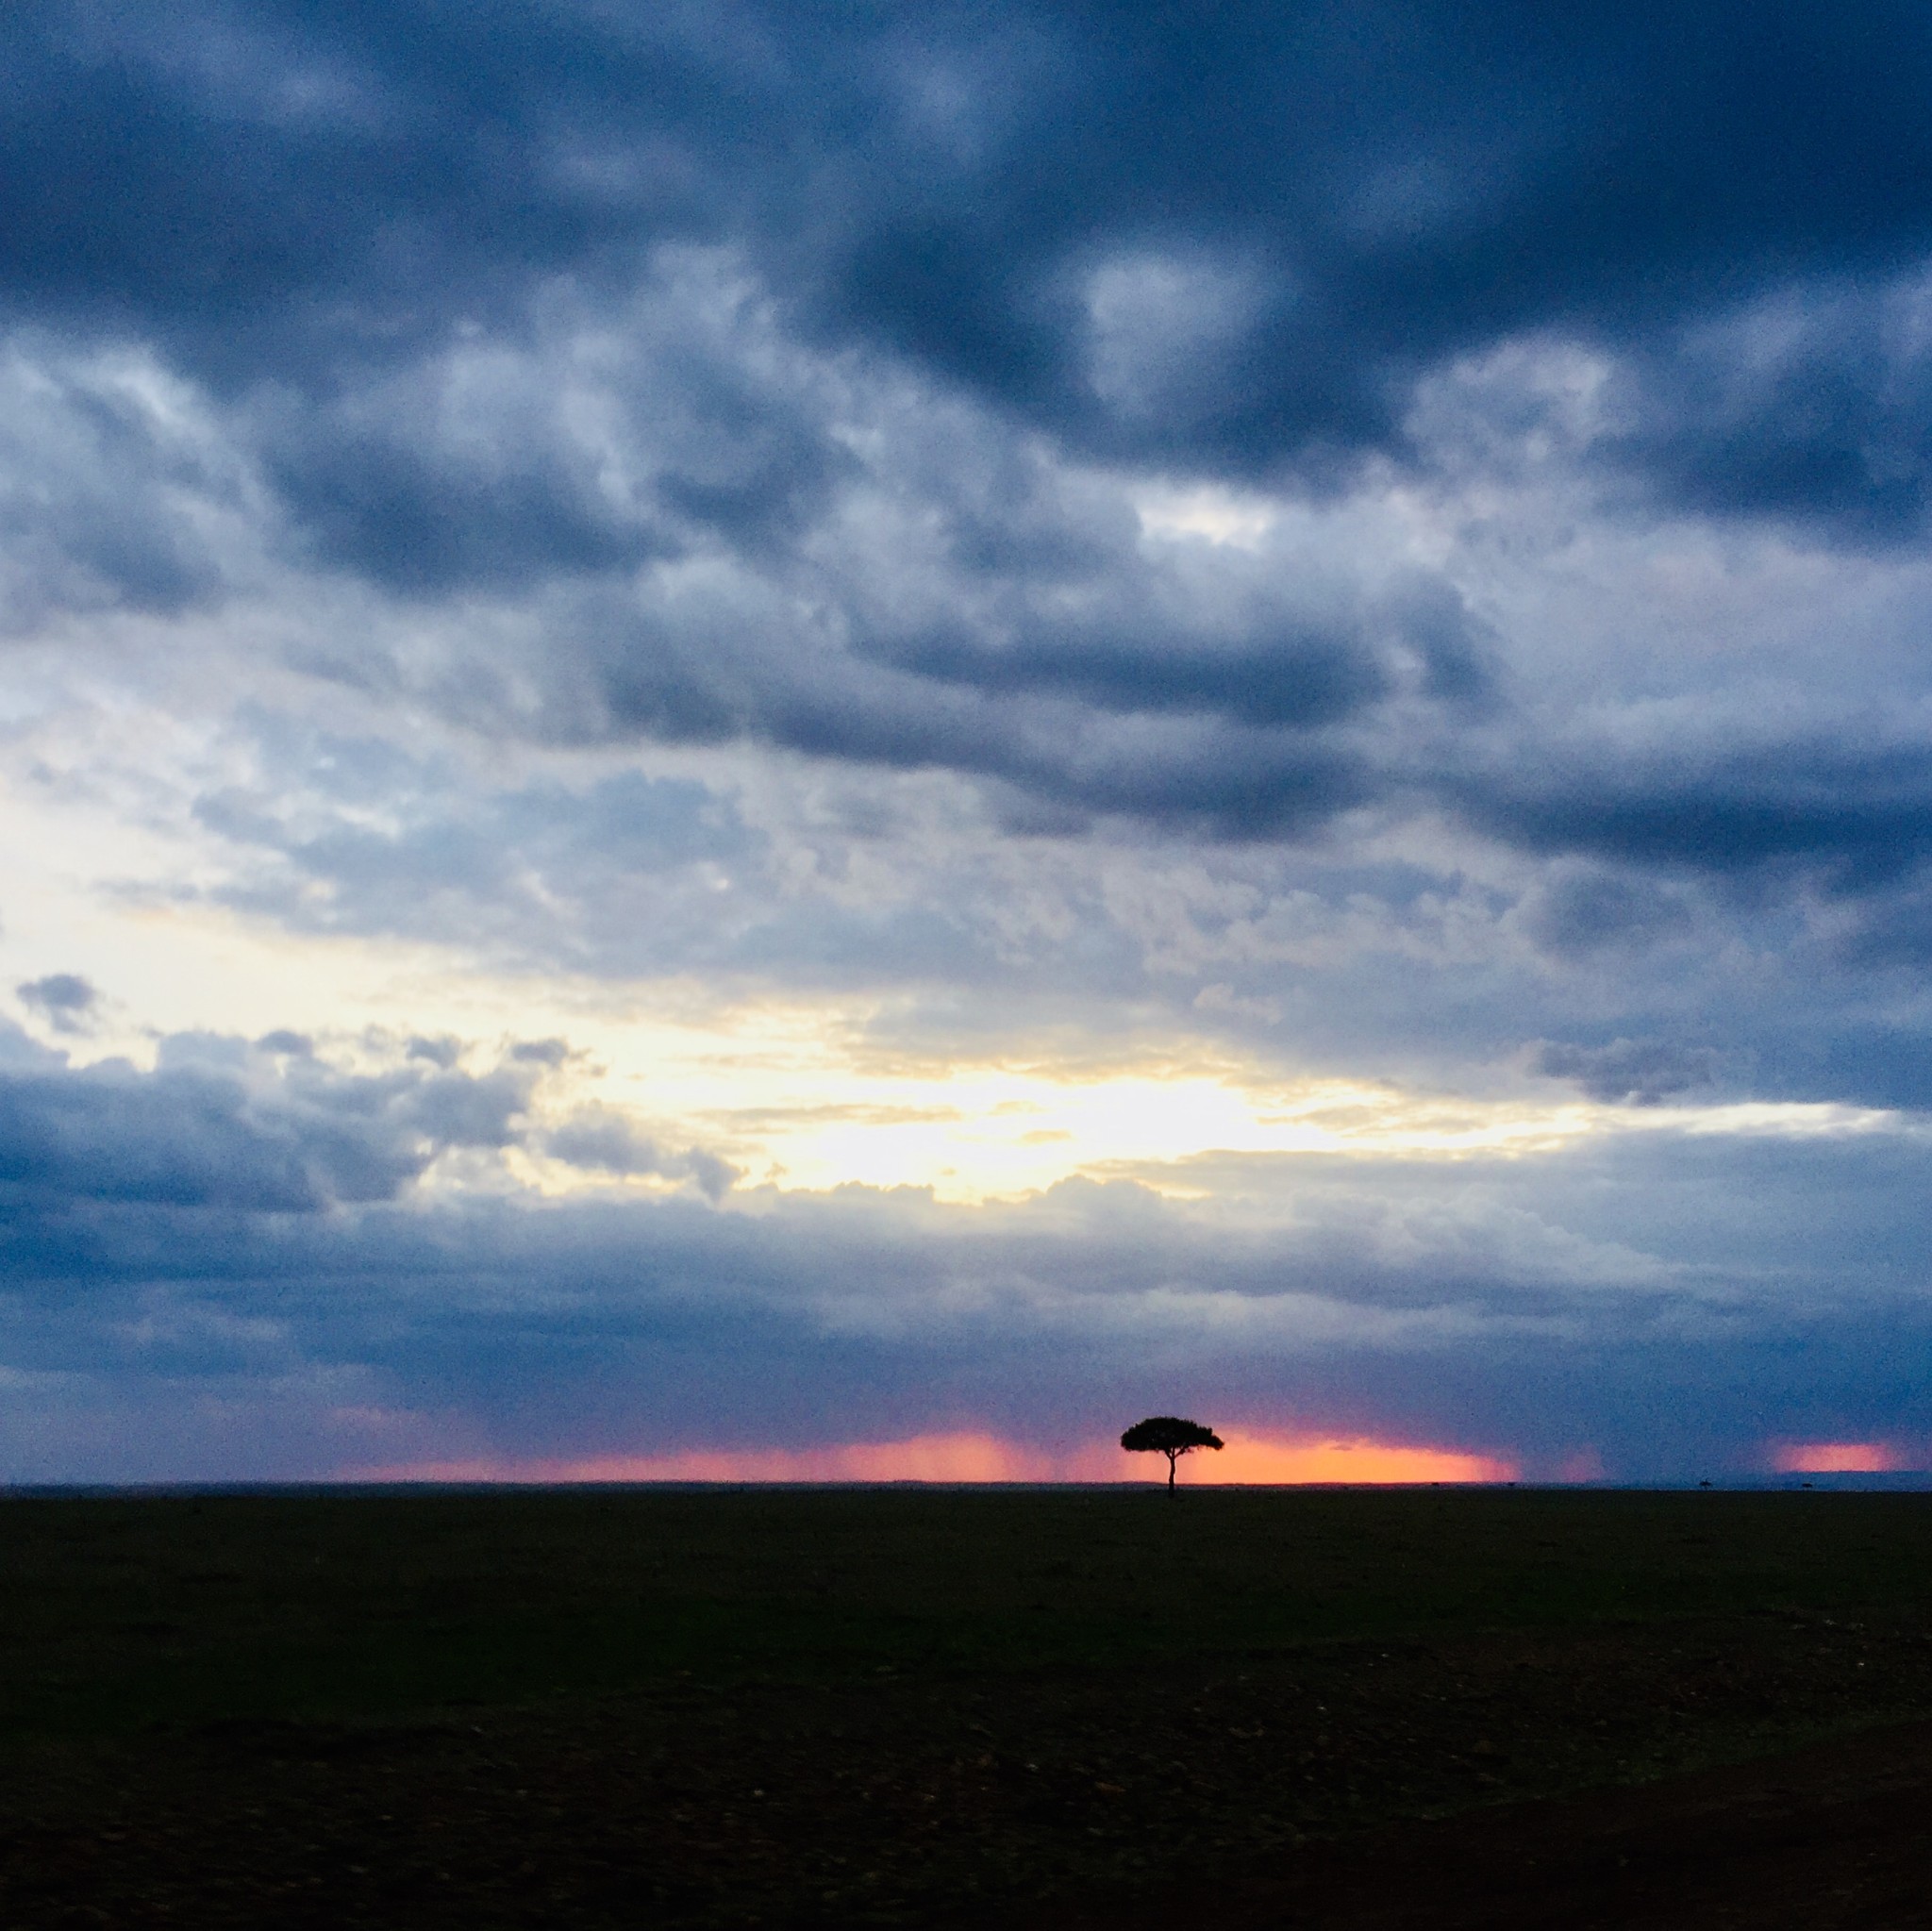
(965, 1458)
(1834, 1459)
(980, 1457)
(1249, 1459)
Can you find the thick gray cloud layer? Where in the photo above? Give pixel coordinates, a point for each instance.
(738, 356)
(1391, 536)
(1228, 241)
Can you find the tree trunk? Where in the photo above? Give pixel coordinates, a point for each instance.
(1173, 1462)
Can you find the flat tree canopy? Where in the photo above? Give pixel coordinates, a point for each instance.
(1172, 1436)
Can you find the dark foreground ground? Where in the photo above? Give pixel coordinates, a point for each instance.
(1053, 1708)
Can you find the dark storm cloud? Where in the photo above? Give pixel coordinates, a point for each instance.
(1813, 405)
(1099, 686)
(1225, 242)
(1282, 679)
(1580, 913)
(389, 511)
(1630, 1072)
(1859, 817)
(214, 1126)
(1107, 628)
(663, 316)
(98, 470)
(186, 1139)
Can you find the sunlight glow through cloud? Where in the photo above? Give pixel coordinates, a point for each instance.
(791, 1089)
(1217, 515)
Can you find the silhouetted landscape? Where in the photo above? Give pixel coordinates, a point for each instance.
(913, 1707)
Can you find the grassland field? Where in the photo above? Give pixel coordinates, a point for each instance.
(809, 1706)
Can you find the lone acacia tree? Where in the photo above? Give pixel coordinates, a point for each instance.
(1170, 1436)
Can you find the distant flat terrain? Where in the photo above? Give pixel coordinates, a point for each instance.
(796, 1706)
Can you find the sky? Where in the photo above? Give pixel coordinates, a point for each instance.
(846, 741)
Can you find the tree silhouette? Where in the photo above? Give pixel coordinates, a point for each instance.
(1170, 1436)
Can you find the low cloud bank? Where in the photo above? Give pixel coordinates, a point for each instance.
(249, 1232)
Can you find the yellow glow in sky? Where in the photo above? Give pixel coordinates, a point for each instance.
(795, 1091)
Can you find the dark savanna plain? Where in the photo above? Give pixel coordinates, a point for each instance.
(937, 1707)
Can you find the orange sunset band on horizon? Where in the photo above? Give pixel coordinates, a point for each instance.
(983, 1456)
